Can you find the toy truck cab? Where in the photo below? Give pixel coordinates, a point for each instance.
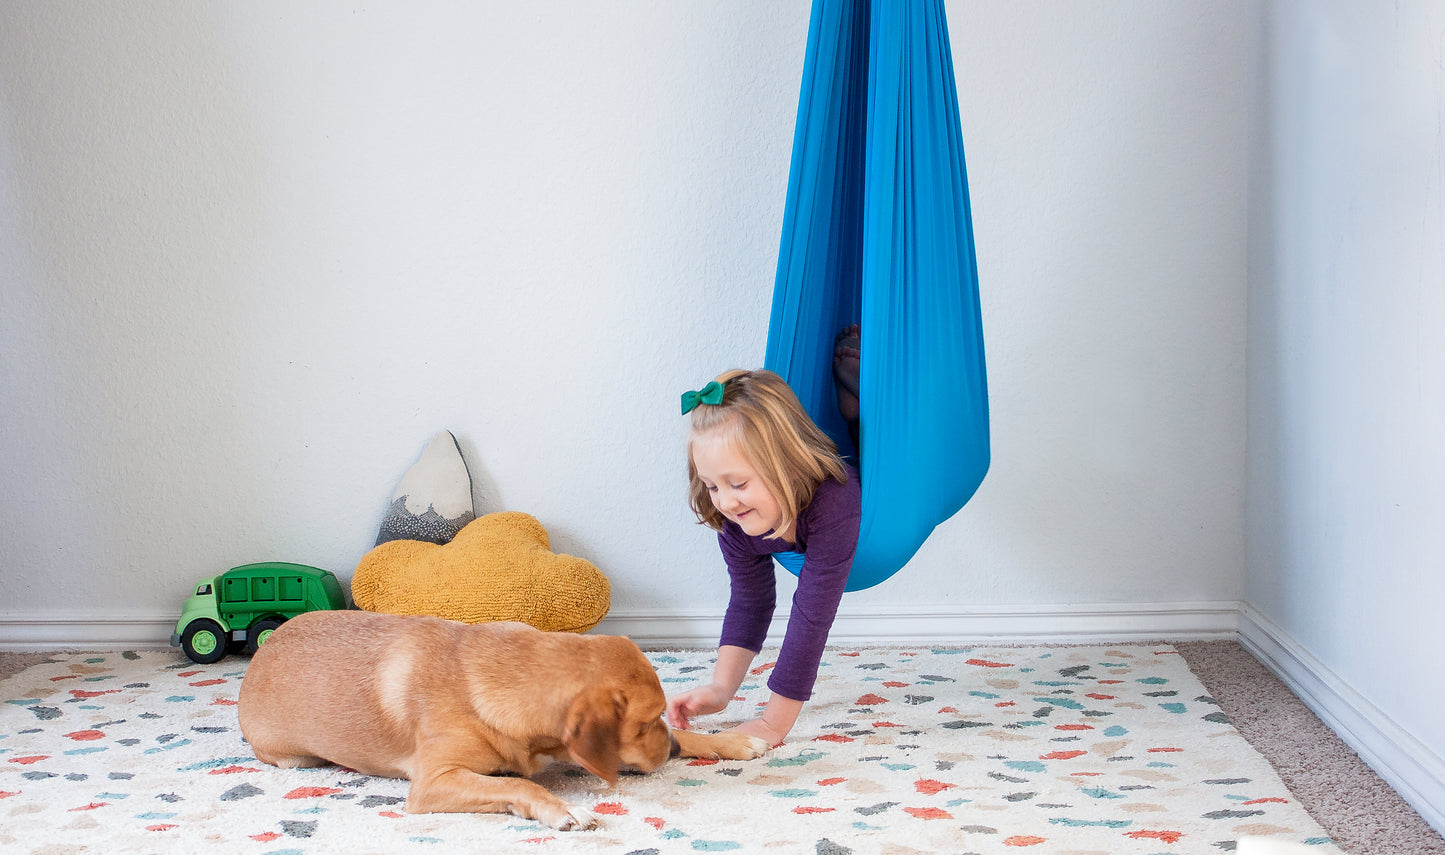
(246, 603)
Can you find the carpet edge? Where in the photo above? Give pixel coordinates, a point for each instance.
(1406, 764)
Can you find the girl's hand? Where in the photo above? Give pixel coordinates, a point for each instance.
(704, 700)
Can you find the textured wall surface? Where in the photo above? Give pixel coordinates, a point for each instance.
(1347, 351)
(256, 255)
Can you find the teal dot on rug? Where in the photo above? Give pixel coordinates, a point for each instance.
(805, 756)
(1100, 793)
(715, 845)
(1092, 823)
(1066, 703)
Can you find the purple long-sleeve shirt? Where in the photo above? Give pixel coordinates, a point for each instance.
(827, 535)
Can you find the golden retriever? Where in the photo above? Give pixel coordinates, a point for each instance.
(449, 705)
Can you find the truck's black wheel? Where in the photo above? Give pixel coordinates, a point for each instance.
(259, 632)
(204, 641)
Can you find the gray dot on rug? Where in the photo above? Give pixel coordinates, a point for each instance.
(434, 499)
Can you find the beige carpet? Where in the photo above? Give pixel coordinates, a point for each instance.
(1359, 810)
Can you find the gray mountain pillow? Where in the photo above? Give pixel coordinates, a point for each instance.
(434, 499)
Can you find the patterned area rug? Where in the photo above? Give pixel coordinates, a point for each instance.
(1104, 750)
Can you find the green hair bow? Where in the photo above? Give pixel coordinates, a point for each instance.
(711, 394)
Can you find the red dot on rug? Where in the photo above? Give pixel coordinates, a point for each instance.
(311, 792)
(1166, 836)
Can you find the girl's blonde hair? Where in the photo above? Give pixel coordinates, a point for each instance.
(763, 420)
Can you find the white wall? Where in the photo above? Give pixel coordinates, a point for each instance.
(1347, 352)
(253, 255)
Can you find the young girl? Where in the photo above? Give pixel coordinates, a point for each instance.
(768, 480)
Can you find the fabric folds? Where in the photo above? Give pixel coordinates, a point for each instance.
(877, 230)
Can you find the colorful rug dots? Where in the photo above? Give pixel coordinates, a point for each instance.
(1058, 750)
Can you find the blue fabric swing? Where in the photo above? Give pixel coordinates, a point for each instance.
(877, 231)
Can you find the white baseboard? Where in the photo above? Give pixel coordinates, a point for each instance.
(889, 625)
(1412, 769)
(892, 625)
(85, 632)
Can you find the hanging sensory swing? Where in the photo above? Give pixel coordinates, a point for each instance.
(877, 231)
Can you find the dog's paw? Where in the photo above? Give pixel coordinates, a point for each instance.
(576, 819)
(742, 747)
(728, 745)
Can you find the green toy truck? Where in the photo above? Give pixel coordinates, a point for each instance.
(247, 603)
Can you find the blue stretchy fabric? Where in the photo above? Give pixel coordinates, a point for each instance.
(878, 231)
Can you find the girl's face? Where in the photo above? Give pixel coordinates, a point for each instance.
(734, 486)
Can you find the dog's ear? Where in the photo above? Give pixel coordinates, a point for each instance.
(593, 734)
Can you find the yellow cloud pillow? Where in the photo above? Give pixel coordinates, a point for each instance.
(499, 567)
